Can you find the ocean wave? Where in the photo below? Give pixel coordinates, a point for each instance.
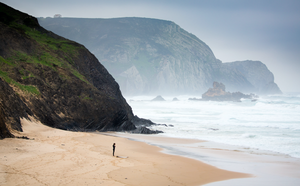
(271, 123)
(248, 136)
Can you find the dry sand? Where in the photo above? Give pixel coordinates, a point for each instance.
(57, 157)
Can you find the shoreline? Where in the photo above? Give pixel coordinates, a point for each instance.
(57, 157)
(266, 167)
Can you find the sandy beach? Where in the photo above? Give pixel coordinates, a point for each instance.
(57, 157)
(266, 168)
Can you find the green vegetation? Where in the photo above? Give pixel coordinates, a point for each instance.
(29, 76)
(44, 59)
(81, 77)
(87, 98)
(25, 88)
(50, 52)
(52, 43)
(69, 48)
(2, 60)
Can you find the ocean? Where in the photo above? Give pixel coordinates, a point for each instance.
(270, 124)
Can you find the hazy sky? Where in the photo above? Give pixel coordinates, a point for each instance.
(264, 30)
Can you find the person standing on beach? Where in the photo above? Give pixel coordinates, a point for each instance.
(114, 147)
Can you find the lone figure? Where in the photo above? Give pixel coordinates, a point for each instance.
(114, 147)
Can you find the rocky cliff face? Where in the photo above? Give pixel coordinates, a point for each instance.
(55, 80)
(256, 73)
(4, 132)
(144, 55)
(150, 56)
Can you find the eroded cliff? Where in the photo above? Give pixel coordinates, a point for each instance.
(55, 80)
(144, 55)
(151, 56)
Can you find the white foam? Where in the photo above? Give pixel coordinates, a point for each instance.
(271, 123)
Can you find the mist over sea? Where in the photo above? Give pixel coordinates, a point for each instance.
(272, 123)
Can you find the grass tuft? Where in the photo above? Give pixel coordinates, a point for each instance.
(25, 88)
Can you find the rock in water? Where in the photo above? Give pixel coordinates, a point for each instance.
(218, 93)
(158, 98)
(175, 99)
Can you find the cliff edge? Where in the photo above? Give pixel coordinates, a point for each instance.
(256, 73)
(55, 80)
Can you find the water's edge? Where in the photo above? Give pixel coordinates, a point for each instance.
(267, 167)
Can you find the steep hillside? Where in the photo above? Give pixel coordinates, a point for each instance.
(144, 55)
(55, 80)
(256, 73)
(153, 56)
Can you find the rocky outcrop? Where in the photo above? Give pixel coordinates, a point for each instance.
(151, 56)
(270, 88)
(142, 124)
(55, 80)
(13, 108)
(158, 98)
(218, 93)
(4, 132)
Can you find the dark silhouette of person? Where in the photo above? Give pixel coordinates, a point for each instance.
(114, 148)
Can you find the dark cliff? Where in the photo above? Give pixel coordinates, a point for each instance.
(55, 80)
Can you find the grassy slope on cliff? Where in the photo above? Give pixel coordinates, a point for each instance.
(59, 80)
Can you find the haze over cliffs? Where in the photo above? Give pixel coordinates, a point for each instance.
(151, 56)
(55, 80)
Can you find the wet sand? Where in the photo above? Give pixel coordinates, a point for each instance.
(267, 168)
(56, 157)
